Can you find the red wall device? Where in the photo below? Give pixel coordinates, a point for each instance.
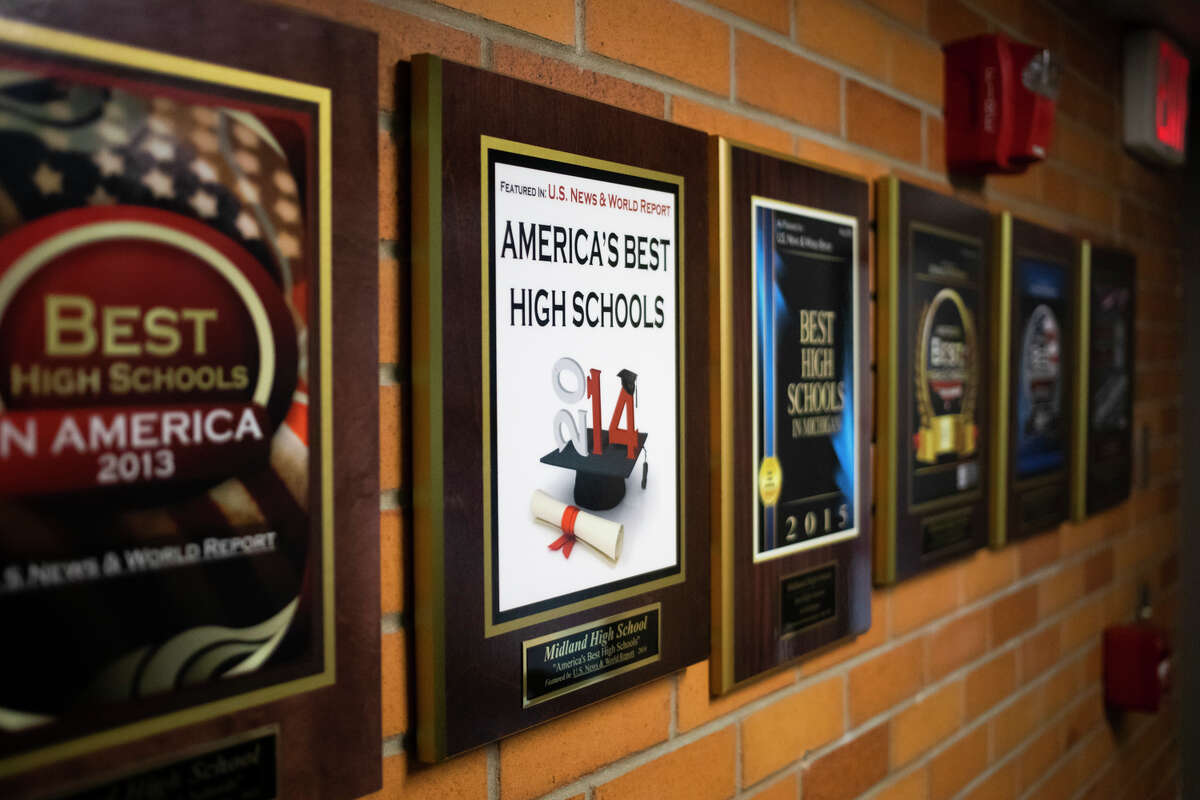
(999, 104)
(1137, 667)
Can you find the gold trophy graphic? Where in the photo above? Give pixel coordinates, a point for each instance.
(946, 379)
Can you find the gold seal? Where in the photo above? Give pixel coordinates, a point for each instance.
(770, 481)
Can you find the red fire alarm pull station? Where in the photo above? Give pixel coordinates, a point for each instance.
(1000, 97)
(1137, 664)
(1156, 97)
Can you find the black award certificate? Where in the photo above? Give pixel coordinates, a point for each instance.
(944, 442)
(804, 365)
(1109, 446)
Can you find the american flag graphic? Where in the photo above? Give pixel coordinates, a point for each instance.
(68, 144)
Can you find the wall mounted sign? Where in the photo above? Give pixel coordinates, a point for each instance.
(173, 201)
(791, 504)
(1156, 97)
(1034, 379)
(933, 408)
(561, 435)
(1103, 468)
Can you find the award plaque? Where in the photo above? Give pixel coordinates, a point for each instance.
(1034, 390)
(183, 509)
(791, 503)
(931, 459)
(560, 402)
(1103, 452)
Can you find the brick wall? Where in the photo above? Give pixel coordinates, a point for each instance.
(979, 680)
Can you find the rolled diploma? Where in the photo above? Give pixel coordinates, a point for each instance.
(598, 532)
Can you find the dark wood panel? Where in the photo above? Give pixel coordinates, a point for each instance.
(478, 680)
(758, 643)
(919, 206)
(324, 751)
(1110, 453)
(1042, 502)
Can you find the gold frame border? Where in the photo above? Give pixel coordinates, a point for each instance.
(488, 144)
(528, 643)
(429, 569)
(722, 624)
(1002, 352)
(56, 42)
(1079, 426)
(860, 502)
(887, 371)
(969, 496)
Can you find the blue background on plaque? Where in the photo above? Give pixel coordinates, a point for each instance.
(774, 317)
(1040, 283)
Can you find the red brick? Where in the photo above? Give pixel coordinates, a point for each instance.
(990, 683)
(711, 120)
(1039, 755)
(1059, 589)
(926, 722)
(935, 143)
(1014, 614)
(389, 309)
(550, 19)
(1098, 570)
(784, 731)
(810, 95)
(849, 770)
(988, 571)
(389, 437)
(614, 728)
(923, 599)
(1038, 552)
(400, 37)
(1016, 721)
(1060, 189)
(913, 786)
(1038, 653)
(1083, 624)
(786, 788)
(391, 565)
(882, 123)
(831, 157)
(394, 689)
(772, 13)
(916, 67)
(1081, 719)
(910, 12)
(568, 78)
(463, 778)
(885, 680)
(844, 32)
(957, 642)
(695, 52)
(950, 20)
(697, 706)
(1001, 785)
(703, 769)
(958, 764)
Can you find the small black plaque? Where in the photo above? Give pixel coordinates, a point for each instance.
(945, 533)
(568, 660)
(807, 598)
(243, 768)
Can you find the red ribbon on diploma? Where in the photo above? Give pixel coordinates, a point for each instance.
(567, 540)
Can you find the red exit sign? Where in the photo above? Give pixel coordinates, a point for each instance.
(1171, 96)
(1156, 97)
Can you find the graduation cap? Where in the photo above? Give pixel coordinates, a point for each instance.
(600, 477)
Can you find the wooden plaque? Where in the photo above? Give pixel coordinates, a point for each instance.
(189, 515)
(1034, 329)
(560, 299)
(791, 502)
(933, 405)
(1103, 452)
